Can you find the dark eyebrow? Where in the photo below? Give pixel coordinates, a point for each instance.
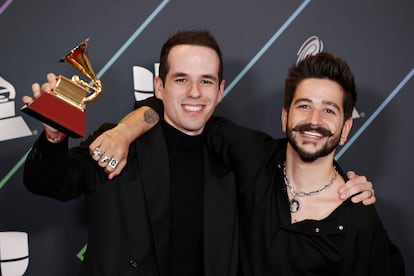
(332, 104)
(208, 76)
(302, 100)
(204, 76)
(178, 74)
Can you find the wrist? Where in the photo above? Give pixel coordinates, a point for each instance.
(55, 136)
(126, 131)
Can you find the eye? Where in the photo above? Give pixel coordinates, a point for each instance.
(330, 111)
(304, 107)
(206, 82)
(180, 81)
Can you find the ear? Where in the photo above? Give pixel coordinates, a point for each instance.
(221, 91)
(158, 87)
(346, 129)
(283, 118)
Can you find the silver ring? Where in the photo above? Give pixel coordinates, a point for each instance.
(104, 159)
(97, 152)
(113, 163)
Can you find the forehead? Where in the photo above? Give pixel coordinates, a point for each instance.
(319, 91)
(193, 58)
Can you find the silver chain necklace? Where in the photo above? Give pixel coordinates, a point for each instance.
(294, 203)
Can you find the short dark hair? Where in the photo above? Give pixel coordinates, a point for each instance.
(322, 66)
(192, 37)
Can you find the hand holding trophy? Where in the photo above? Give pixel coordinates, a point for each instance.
(64, 107)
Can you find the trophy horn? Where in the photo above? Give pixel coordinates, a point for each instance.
(64, 107)
(78, 58)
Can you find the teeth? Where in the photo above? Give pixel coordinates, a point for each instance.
(192, 107)
(314, 134)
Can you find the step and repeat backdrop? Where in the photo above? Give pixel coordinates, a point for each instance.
(260, 40)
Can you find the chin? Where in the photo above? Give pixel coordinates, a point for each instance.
(197, 129)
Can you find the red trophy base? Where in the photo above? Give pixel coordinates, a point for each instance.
(57, 113)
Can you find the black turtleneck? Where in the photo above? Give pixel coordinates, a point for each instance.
(187, 184)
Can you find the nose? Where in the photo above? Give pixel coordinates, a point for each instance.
(194, 91)
(314, 117)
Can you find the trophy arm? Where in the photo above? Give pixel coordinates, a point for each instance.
(94, 90)
(97, 89)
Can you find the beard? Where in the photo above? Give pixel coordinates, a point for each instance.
(327, 148)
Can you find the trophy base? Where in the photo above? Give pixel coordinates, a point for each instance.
(58, 114)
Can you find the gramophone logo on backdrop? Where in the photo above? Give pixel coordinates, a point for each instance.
(144, 81)
(11, 126)
(312, 46)
(14, 253)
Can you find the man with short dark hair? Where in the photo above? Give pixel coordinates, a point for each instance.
(173, 210)
(291, 218)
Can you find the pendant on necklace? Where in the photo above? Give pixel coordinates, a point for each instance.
(294, 205)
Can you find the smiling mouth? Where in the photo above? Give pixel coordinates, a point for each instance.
(312, 134)
(312, 131)
(193, 108)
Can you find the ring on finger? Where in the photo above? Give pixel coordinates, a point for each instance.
(113, 163)
(104, 159)
(97, 152)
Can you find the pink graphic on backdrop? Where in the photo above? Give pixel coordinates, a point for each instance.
(5, 5)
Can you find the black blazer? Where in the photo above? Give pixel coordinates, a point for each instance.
(129, 216)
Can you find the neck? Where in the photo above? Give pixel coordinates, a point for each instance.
(306, 176)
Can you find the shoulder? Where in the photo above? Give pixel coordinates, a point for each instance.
(218, 123)
(364, 220)
(366, 213)
(368, 237)
(221, 128)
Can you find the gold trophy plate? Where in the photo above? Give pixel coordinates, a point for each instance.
(63, 108)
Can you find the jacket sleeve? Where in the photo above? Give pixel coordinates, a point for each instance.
(55, 171)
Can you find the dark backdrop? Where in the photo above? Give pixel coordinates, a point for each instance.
(260, 39)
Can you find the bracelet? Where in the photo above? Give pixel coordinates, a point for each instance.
(52, 139)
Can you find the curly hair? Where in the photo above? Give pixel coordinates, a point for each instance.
(322, 66)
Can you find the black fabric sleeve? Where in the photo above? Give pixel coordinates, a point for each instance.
(239, 146)
(55, 171)
(368, 248)
(246, 151)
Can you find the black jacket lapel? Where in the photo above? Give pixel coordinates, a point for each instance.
(220, 218)
(153, 162)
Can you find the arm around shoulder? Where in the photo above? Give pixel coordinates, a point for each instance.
(115, 142)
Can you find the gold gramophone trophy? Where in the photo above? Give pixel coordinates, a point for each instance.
(63, 108)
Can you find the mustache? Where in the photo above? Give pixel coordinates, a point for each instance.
(309, 127)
